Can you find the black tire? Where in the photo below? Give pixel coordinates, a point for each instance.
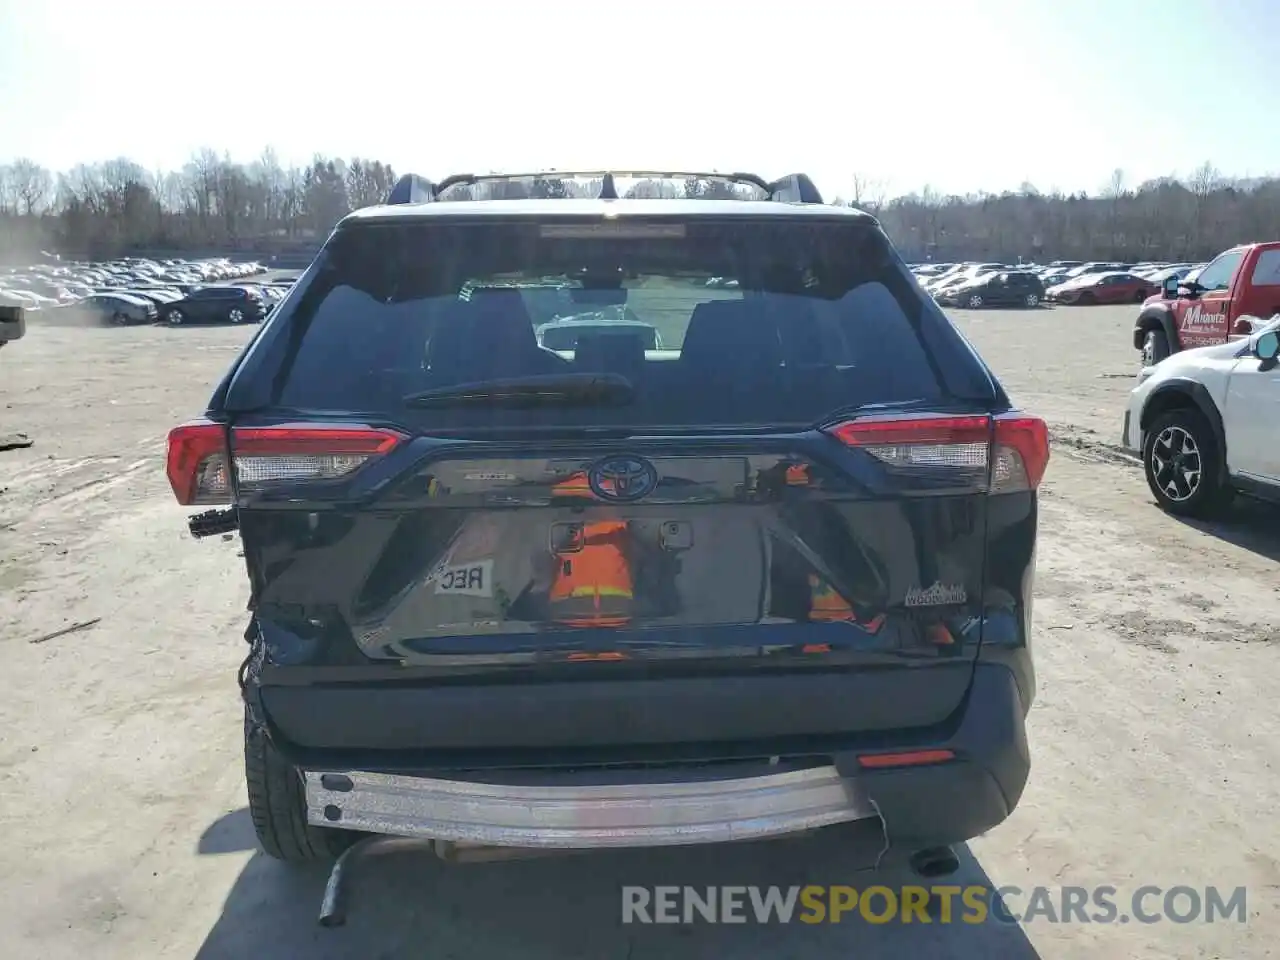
(120, 319)
(1140, 297)
(1086, 299)
(277, 804)
(1155, 347)
(1184, 465)
(174, 318)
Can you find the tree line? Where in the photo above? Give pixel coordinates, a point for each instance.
(110, 209)
(118, 207)
(1169, 218)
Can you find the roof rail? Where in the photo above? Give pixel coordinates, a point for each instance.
(793, 188)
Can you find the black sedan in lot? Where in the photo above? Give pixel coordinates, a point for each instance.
(1006, 288)
(216, 305)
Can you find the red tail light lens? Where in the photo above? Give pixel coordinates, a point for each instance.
(198, 463)
(1012, 449)
(1021, 453)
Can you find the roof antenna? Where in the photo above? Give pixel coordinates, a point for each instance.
(607, 190)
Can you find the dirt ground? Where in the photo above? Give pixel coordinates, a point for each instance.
(1155, 739)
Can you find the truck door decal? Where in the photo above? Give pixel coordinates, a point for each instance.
(1203, 323)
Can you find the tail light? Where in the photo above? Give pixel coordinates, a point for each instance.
(199, 467)
(1010, 449)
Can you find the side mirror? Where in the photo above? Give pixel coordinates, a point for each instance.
(1267, 347)
(1170, 288)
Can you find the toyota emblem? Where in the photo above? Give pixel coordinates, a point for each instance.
(622, 479)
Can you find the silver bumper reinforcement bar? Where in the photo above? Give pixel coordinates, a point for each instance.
(577, 816)
(474, 820)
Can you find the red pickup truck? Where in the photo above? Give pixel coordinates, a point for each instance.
(1242, 283)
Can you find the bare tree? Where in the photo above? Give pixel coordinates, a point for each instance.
(32, 184)
(1205, 180)
(1115, 187)
(868, 192)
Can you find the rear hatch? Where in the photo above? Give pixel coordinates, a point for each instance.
(798, 479)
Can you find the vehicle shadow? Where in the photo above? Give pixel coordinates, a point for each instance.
(406, 902)
(1250, 524)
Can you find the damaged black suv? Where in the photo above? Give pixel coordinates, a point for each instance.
(604, 509)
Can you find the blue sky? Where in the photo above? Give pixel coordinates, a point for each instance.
(964, 96)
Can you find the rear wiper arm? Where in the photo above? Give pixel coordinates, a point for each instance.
(576, 389)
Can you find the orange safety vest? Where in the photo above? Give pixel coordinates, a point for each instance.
(826, 605)
(798, 475)
(592, 585)
(575, 485)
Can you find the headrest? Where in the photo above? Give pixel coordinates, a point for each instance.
(620, 351)
(731, 331)
(488, 337)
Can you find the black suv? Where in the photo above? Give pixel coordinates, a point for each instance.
(767, 571)
(1003, 288)
(216, 305)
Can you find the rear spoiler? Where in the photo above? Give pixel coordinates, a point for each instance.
(793, 188)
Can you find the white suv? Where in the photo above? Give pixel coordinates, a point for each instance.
(1207, 423)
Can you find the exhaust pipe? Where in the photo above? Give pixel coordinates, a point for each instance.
(934, 862)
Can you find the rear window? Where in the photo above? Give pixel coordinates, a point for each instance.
(733, 321)
(1267, 271)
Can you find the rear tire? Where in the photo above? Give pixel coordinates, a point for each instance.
(1140, 297)
(1155, 347)
(277, 804)
(973, 302)
(1183, 465)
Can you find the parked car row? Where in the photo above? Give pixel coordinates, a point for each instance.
(135, 291)
(44, 285)
(974, 285)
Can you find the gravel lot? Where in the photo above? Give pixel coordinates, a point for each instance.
(1155, 739)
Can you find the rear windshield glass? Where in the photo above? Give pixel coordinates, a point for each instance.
(736, 321)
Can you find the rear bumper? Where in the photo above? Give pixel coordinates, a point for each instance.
(607, 804)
